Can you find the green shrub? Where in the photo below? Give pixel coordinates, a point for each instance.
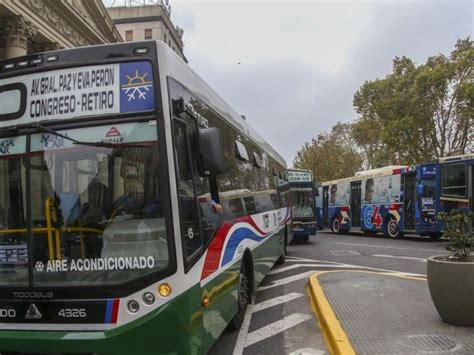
(457, 227)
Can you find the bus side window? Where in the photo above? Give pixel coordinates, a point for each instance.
(250, 205)
(235, 206)
(189, 216)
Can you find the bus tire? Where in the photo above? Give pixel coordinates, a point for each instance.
(282, 258)
(243, 298)
(336, 226)
(391, 229)
(435, 236)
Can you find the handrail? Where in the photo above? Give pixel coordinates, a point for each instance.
(47, 208)
(42, 230)
(57, 232)
(52, 217)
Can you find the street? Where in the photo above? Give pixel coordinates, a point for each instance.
(281, 320)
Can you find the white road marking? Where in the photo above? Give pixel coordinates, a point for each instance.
(287, 280)
(308, 273)
(276, 327)
(400, 257)
(385, 247)
(308, 351)
(295, 258)
(275, 301)
(398, 272)
(244, 329)
(296, 266)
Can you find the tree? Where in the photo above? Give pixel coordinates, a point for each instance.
(418, 113)
(331, 156)
(413, 115)
(445, 86)
(391, 129)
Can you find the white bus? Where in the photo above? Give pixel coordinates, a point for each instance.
(117, 235)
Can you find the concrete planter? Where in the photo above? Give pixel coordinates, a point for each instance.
(451, 285)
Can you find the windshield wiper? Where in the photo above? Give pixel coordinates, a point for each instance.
(8, 131)
(75, 141)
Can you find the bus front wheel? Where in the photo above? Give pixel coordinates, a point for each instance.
(391, 229)
(243, 298)
(435, 236)
(336, 226)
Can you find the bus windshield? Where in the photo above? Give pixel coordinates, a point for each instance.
(96, 211)
(303, 201)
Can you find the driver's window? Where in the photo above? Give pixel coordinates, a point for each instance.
(189, 216)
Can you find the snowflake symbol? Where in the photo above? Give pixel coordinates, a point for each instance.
(137, 84)
(39, 266)
(140, 90)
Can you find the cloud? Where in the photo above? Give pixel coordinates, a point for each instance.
(301, 62)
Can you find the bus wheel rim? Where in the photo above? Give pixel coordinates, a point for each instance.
(392, 228)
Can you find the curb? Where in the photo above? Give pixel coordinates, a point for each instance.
(336, 339)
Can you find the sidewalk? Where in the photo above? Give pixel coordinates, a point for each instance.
(380, 313)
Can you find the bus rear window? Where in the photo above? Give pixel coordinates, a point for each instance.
(454, 180)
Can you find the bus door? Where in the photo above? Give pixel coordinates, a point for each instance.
(188, 208)
(409, 193)
(355, 203)
(192, 237)
(325, 205)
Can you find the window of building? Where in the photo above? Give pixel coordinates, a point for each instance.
(148, 33)
(165, 38)
(129, 35)
(240, 151)
(257, 160)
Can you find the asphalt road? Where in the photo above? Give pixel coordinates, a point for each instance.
(281, 321)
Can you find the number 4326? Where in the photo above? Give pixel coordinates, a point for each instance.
(72, 313)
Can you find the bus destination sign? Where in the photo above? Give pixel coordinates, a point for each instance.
(75, 92)
(299, 176)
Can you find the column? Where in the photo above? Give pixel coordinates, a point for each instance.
(17, 34)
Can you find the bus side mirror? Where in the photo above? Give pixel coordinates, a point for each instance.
(420, 190)
(211, 162)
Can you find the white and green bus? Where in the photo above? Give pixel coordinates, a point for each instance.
(138, 211)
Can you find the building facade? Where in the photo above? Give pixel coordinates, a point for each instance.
(30, 26)
(144, 22)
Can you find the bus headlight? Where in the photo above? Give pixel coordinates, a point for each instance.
(164, 290)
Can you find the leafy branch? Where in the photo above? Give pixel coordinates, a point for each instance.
(457, 229)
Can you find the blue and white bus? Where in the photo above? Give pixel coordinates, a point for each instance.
(399, 199)
(378, 200)
(443, 185)
(302, 193)
(318, 202)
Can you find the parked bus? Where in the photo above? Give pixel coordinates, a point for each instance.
(378, 200)
(443, 185)
(114, 237)
(302, 193)
(318, 203)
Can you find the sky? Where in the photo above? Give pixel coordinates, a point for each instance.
(292, 67)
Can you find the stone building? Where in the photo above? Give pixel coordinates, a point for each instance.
(152, 21)
(29, 26)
